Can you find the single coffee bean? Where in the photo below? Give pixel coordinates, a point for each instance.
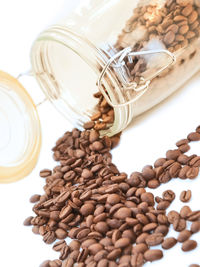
(173, 216)
(163, 229)
(87, 209)
(195, 227)
(154, 239)
(45, 173)
(168, 195)
(185, 196)
(192, 172)
(35, 198)
(179, 225)
(153, 255)
(27, 221)
(122, 242)
(140, 248)
(169, 243)
(59, 245)
(123, 213)
(113, 199)
(189, 245)
(137, 260)
(185, 210)
(183, 236)
(193, 136)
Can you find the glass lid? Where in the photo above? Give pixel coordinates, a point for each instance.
(20, 131)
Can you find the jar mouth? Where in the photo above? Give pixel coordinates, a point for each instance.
(20, 137)
(67, 67)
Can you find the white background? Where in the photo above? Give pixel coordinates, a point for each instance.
(144, 141)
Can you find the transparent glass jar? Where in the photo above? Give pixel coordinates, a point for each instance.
(135, 53)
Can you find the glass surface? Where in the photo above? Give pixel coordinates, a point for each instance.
(112, 36)
(20, 136)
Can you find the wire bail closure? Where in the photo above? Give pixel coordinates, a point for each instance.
(127, 52)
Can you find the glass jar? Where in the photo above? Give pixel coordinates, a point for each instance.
(129, 54)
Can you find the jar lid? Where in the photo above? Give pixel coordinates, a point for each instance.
(20, 131)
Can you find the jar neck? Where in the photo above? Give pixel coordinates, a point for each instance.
(95, 58)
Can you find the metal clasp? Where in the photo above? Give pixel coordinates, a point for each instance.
(118, 58)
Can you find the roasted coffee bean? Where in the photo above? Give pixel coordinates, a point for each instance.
(153, 255)
(168, 195)
(185, 196)
(179, 225)
(189, 245)
(137, 260)
(49, 237)
(194, 136)
(154, 239)
(27, 221)
(45, 173)
(35, 198)
(140, 248)
(185, 210)
(87, 209)
(122, 242)
(183, 236)
(169, 243)
(173, 216)
(192, 172)
(59, 245)
(163, 229)
(195, 227)
(163, 205)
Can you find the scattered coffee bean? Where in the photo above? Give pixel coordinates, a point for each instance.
(169, 243)
(183, 236)
(153, 255)
(185, 196)
(195, 227)
(189, 245)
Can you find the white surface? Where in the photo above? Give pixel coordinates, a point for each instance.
(143, 142)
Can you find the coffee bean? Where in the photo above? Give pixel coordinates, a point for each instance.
(148, 197)
(173, 216)
(89, 125)
(192, 172)
(61, 234)
(123, 213)
(189, 245)
(27, 221)
(153, 255)
(168, 195)
(114, 254)
(154, 239)
(169, 243)
(103, 263)
(122, 242)
(163, 205)
(195, 227)
(35, 198)
(49, 237)
(184, 235)
(163, 229)
(185, 196)
(185, 210)
(59, 245)
(113, 199)
(149, 227)
(45, 173)
(173, 154)
(137, 260)
(45, 264)
(139, 248)
(87, 209)
(194, 136)
(179, 225)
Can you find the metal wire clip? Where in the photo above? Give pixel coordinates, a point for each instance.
(141, 89)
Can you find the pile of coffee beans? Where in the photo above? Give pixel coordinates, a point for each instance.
(176, 25)
(111, 218)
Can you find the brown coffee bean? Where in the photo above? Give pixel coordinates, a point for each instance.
(192, 173)
(123, 213)
(154, 239)
(137, 260)
(169, 38)
(87, 209)
(103, 263)
(94, 136)
(195, 227)
(183, 236)
(113, 199)
(179, 225)
(174, 169)
(149, 227)
(185, 210)
(68, 263)
(184, 29)
(173, 154)
(195, 136)
(89, 125)
(35, 198)
(142, 219)
(163, 229)
(122, 242)
(140, 248)
(61, 234)
(148, 173)
(27, 221)
(189, 245)
(195, 162)
(183, 172)
(193, 216)
(49, 237)
(45, 173)
(59, 245)
(169, 243)
(163, 205)
(168, 195)
(153, 255)
(95, 248)
(114, 254)
(185, 196)
(173, 216)
(101, 227)
(148, 197)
